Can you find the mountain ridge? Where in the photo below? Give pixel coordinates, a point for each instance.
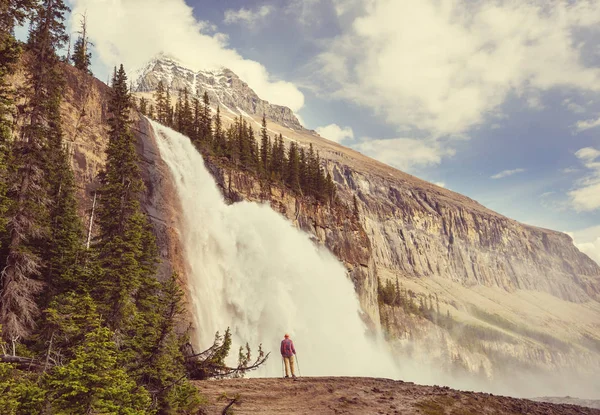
(222, 85)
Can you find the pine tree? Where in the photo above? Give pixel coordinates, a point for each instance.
(293, 168)
(265, 149)
(330, 188)
(205, 121)
(82, 57)
(162, 106)
(11, 13)
(151, 113)
(219, 138)
(178, 119)
(187, 117)
(144, 106)
(196, 126)
(93, 382)
(303, 171)
(28, 213)
(169, 120)
(122, 224)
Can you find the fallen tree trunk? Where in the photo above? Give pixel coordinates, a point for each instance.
(23, 363)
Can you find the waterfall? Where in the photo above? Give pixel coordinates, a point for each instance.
(249, 269)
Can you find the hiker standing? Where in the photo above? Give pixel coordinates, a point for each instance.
(287, 353)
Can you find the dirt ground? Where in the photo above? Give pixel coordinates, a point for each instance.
(344, 395)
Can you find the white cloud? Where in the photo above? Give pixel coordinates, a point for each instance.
(335, 133)
(535, 103)
(586, 124)
(404, 153)
(586, 195)
(306, 12)
(569, 170)
(440, 184)
(506, 173)
(573, 106)
(133, 31)
(247, 16)
(443, 66)
(588, 242)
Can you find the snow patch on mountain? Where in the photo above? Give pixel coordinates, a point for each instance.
(223, 86)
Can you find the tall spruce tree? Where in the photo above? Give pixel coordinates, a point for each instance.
(219, 138)
(160, 97)
(28, 213)
(265, 149)
(144, 106)
(293, 168)
(122, 224)
(205, 121)
(187, 117)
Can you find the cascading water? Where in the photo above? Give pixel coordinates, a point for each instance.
(251, 270)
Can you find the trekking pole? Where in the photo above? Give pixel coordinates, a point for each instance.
(282, 370)
(298, 363)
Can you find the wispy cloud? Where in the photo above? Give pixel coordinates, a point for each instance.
(573, 106)
(569, 170)
(586, 194)
(335, 133)
(586, 124)
(452, 63)
(247, 16)
(506, 173)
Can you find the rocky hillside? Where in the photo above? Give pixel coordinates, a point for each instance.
(365, 396)
(222, 85)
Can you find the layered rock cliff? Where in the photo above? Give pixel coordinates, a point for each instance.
(530, 285)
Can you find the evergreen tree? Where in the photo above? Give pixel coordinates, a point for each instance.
(265, 149)
(303, 171)
(281, 158)
(162, 106)
(151, 113)
(169, 120)
(205, 121)
(28, 212)
(144, 106)
(178, 115)
(11, 13)
(82, 57)
(187, 118)
(330, 188)
(94, 383)
(122, 224)
(219, 139)
(293, 168)
(196, 126)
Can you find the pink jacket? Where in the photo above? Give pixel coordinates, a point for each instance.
(287, 348)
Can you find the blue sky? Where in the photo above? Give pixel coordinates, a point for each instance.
(498, 100)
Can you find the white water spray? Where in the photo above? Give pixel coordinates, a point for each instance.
(251, 270)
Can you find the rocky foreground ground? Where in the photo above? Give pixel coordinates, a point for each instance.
(343, 395)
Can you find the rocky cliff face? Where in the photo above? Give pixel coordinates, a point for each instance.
(224, 88)
(490, 272)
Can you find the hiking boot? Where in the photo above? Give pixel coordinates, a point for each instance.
(286, 376)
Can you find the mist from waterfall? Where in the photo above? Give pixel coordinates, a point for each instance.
(252, 271)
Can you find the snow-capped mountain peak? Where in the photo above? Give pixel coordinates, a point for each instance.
(223, 86)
